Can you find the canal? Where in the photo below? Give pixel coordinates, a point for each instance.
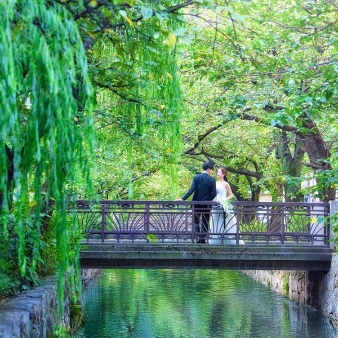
(193, 304)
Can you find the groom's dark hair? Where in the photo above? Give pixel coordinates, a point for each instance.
(208, 165)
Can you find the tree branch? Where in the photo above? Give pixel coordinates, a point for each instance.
(203, 136)
(247, 117)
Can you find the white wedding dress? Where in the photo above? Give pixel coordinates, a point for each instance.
(223, 220)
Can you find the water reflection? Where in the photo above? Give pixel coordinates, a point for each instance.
(193, 304)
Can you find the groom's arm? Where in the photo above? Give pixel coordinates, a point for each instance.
(191, 190)
(213, 191)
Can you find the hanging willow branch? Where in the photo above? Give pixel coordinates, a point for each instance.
(43, 87)
(144, 75)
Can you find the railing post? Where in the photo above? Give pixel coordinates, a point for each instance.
(238, 221)
(192, 222)
(235, 214)
(104, 221)
(333, 210)
(146, 218)
(283, 218)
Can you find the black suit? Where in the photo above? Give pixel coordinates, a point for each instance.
(204, 188)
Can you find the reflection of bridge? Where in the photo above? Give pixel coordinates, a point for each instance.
(292, 236)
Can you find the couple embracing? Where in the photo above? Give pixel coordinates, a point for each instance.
(205, 188)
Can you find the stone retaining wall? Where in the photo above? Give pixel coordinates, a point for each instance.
(314, 289)
(329, 290)
(87, 275)
(33, 313)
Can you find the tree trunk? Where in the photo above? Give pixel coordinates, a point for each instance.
(9, 179)
(318, 154)
(292, 165)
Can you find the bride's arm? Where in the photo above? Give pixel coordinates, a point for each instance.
(230, 194)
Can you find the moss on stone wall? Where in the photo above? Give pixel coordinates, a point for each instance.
(286, 285)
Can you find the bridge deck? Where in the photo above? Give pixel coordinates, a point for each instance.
(177, 256)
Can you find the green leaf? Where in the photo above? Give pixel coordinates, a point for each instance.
(146, 12)
(123, 13)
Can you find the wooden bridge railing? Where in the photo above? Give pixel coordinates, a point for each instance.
(172, 221)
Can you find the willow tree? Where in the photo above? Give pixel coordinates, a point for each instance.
(137, 109)
(45, 131)
(47, 99)
(131, 51)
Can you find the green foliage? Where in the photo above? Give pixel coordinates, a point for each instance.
(151, 238)
(138, 107)
(46, 126)
(76, 317)
(9, 277)
(254, 225)
(286, 286)
(48, 261)
(334, 224)
(168, 82)
(12, 282)
(61, 332)
(270, 67)
(325, 179)
(297, 222)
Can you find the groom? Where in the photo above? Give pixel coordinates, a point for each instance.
(204, 188)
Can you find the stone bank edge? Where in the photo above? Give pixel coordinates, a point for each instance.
(33, 313)
(314, 289)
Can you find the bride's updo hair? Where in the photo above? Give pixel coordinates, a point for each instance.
(225, 173)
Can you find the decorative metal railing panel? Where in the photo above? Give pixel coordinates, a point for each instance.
(168, 221)
(285, 222)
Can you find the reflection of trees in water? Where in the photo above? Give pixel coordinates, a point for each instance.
(187, 303)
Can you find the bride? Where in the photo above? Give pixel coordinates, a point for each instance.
(222, 218)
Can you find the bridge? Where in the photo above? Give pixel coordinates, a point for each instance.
(197, 256)
(161, 234)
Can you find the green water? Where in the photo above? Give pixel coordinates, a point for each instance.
(193, 304)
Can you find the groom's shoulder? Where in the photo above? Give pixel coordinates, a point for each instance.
(204, 177)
